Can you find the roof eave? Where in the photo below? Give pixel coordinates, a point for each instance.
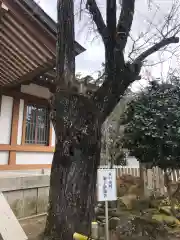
(45, 19)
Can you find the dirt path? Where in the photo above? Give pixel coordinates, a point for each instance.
(33, 227)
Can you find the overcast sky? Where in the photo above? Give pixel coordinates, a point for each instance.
(90, 61)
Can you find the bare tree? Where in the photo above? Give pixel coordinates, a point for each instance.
(78, 119)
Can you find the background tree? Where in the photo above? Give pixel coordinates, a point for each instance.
(111, 149)
(112, 132)
(152, 127)
(77, 119)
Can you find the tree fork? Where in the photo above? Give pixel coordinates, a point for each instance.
(77, 119)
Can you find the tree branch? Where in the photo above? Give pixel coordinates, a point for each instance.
(65, 57)
(125, 23)
(111, 20)
(111, 38)
(121, 75)
(109, 94)
(111, 91)
(60, 46)
(91, 5)
(164, 42)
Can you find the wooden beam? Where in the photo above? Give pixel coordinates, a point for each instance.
(27, 64)
(37, 72)
(24, 166)
(6, 33)
(8, 74)
(15, 118)
(14, 130)
(27, 148)
(26, 41)
(49, 85)
(7, 68)
(24, 124)
(35, 27)
(50, 134)
(3, 6)
(9, 58)
(32, 25)
(25, 96)
(31, 38)
(5, 78)
(3, 9)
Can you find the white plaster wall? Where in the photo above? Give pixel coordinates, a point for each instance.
(36, 90)
(33, 158)
(4, 157)
(20, 122)
(5, 126)
(132, 162)
(5, 119)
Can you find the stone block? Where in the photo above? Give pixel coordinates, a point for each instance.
(23, 182)
(11, 183)
(36, 181)
(42, 200)
(30, 202)
(16, 202)
(26, 195)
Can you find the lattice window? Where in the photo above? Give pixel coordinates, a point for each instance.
(37, 125)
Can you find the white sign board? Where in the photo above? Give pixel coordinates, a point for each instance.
(106, 183)
(10, 228)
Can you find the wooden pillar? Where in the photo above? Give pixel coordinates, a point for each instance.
(143, 178)
(50, 134)
(14, 130)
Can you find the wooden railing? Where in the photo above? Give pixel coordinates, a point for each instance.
(154, 178)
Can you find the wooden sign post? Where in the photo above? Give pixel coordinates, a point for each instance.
(107, 191)
(10, 228)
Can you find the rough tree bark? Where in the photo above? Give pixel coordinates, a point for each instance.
(73, 175)
(78, 119)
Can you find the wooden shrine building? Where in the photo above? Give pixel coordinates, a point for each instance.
(27, 61)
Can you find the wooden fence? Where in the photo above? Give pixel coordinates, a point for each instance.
(153, 178)
(134, 171)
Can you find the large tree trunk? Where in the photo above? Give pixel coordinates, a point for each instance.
(74, 167)
(77, 120)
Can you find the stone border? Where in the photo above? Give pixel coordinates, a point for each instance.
(9, 183)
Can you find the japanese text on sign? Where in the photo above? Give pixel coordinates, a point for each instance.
(107, 185)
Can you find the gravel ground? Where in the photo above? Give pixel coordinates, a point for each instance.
(35, 226)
